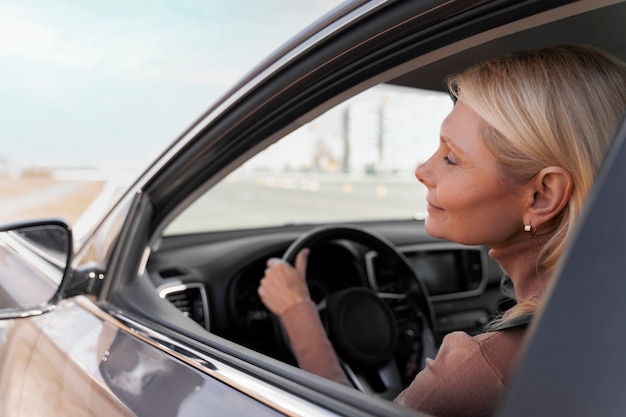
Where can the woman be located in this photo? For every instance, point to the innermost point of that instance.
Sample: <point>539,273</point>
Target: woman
<point>517,156</point>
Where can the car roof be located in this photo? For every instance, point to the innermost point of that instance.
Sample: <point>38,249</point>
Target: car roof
<point>603,29</point>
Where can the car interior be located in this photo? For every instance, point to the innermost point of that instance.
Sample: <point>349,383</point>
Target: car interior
<point>342,184</point>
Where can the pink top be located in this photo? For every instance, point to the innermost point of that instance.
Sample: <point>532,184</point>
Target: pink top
<point>468,375</point>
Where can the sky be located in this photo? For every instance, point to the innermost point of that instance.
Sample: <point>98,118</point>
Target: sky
<point>107,84</point>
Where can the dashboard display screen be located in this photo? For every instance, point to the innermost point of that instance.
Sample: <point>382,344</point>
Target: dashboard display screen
<point>439,271</point>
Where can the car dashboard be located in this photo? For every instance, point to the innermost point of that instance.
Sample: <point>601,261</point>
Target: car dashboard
<point>213,278</point>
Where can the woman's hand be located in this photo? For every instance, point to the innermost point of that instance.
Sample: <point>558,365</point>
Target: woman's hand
<point>284,286</point>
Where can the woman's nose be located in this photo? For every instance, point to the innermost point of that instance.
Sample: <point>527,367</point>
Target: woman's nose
<point>423,174</point>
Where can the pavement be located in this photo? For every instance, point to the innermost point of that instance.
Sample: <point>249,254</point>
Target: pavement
<point>29,198</point>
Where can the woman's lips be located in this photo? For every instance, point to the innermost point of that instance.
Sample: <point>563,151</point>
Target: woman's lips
<point>431,207</point>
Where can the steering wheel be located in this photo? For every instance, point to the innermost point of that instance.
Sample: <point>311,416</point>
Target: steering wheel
<point>382,338</point>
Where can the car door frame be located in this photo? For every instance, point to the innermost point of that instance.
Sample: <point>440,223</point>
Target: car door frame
<point>296,87</point>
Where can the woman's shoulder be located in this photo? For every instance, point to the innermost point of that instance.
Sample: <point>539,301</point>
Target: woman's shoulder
<point>469,373</point>
<point>507,336</point>
<point>497,349</point>
<point>501,341</point>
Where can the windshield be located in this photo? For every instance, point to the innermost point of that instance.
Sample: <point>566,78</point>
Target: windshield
<point>353,163</point>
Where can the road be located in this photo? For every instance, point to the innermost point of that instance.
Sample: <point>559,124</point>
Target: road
<point>265,200</point>
<point>278,200</point>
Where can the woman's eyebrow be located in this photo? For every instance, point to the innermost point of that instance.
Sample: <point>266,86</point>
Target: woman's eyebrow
<point>452,144</point>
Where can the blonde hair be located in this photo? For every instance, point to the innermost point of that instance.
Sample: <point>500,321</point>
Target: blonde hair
<point>558,106</point>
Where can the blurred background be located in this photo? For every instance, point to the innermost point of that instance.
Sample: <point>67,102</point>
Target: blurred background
<point>92,91</point>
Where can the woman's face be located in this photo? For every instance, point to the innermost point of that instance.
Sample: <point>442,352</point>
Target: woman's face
<point>469,201</point>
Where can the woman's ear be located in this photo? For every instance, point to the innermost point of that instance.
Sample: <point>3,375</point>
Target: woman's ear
<point>552,188</point>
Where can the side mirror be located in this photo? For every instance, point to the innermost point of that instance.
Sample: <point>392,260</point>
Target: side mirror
<point>35,258</point>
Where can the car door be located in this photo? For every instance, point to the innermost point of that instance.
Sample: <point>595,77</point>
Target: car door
<point>70,357</point>
<point>88,362</point>
<point>310,78</point>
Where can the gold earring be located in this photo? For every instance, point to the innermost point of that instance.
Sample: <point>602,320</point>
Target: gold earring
<point>528,228</point>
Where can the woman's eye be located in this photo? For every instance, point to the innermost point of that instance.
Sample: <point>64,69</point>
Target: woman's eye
<point>450,160</point>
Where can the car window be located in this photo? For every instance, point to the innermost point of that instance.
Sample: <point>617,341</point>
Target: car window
<point>354,162</point>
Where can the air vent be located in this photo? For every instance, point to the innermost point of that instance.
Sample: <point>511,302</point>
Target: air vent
<point>191,300</point>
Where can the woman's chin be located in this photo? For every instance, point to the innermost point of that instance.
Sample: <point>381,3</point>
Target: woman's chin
<point>433,229</point>
<point>441,231</point>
